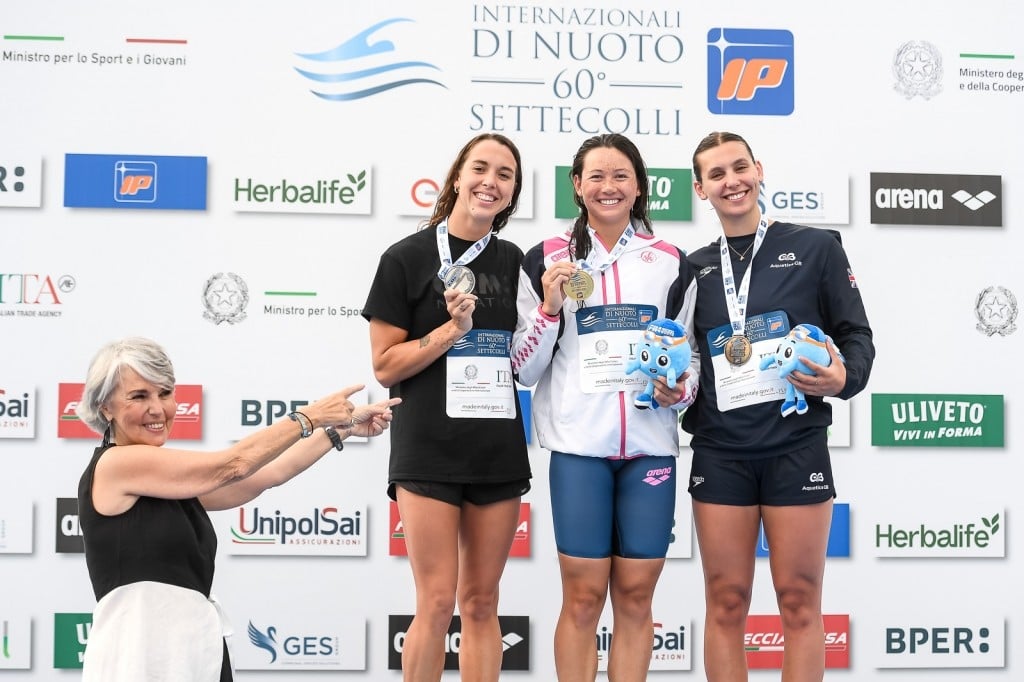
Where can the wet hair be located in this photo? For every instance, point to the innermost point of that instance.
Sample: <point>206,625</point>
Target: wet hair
<point>713,140</point>
<point>146,357</point>
<point>579,243</point>
<point>446,197</point>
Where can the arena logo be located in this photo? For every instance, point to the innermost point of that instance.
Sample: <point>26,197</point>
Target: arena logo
<point>138,182</point>
<point>932,642</point>
<point>17,413</point>
<point>936,199</point>
<point>355,70</point>
<point>750,72</point>
<point>515,642</point>
<point>21,183</point>
<point>68,531</point>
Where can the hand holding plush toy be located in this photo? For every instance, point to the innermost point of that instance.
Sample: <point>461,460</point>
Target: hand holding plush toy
<point>803,341</point>
<point>665,351</point>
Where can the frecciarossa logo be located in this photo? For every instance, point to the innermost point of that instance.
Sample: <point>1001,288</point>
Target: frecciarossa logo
<point>934,199</point>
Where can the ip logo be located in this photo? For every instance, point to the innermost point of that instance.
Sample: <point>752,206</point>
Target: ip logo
<point>750,72</point>
<point>135,181</point>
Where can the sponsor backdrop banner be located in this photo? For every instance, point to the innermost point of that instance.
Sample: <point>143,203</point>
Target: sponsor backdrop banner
<point>229,192</point>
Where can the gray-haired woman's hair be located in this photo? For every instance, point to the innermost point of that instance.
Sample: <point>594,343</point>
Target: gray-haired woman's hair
<point>146,357</point>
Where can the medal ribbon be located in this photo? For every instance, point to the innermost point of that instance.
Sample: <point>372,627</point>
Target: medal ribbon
<point>613,255</point>
<point>737,302</point>
<point>445,253</point>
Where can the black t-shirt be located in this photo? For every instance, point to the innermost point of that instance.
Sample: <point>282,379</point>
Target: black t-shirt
<point>427,444</point>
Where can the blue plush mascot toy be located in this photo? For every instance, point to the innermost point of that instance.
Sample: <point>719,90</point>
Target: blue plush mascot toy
<point>803,341</point>
<point>665,351</point>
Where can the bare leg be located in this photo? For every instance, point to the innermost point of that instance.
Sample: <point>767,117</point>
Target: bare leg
<point>798,537</point>
<point>632,590</point>
<point>584,589</point>
<point>485,539</point>
<point>727,536</point>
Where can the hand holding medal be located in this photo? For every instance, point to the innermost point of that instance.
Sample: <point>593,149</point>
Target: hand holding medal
<point>461,306</point>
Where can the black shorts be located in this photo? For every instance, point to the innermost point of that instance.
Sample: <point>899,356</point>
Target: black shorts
<point>800,477</point>
<point>457,493</point>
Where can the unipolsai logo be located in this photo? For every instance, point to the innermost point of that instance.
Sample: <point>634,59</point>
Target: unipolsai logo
<point>355,69</point>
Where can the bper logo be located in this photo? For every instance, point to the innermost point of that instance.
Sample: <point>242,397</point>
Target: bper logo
<point>750,72</point>
<point>942,643</point>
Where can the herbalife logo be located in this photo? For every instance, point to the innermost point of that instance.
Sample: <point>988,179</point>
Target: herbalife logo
<point>946,538</point>
<point>303,190</point>
<point>973,201</point>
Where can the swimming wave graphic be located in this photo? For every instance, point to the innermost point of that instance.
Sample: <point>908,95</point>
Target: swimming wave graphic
<point>347,61</point>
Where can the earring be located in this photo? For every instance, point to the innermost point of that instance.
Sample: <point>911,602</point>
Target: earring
<point>456,189</point>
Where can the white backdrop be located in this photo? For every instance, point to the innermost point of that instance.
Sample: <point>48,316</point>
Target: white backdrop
<point>222,81</point>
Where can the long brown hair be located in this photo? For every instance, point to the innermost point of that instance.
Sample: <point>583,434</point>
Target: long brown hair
<point>579,243</point>
<point>446,197</point>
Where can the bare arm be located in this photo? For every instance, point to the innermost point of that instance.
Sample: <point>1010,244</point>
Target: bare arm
<point>372,420</point>
<point>397,357</point>
<point>127,472</point>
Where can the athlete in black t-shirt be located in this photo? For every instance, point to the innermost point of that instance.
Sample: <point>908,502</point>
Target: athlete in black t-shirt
<point>442,309</point>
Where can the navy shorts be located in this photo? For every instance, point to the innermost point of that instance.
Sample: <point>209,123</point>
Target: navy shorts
<point>803,476</point>
<point>602,507</point>
<point>457,493</point>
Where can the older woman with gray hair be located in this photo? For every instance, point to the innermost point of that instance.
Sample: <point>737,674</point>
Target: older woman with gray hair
<point>149,543</point>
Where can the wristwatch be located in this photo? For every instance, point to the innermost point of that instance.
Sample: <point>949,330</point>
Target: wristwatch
<point>335,437</point>
<point>304,423</point>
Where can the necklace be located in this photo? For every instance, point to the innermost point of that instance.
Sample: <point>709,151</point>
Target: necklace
<point>745,251</point>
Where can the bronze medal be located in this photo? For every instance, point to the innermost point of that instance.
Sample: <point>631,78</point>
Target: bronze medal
<point>737,349</point>
<point>460,278</point>
<point>579,286</point>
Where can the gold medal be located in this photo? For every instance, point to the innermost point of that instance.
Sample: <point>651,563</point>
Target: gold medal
<point>460,278</point>
<point>737,349</point>
<point>579,286</point>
